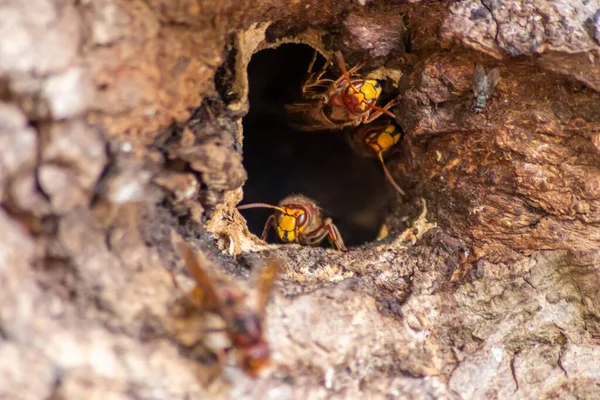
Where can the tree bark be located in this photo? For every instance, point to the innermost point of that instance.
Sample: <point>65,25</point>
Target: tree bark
<point>121,122</point>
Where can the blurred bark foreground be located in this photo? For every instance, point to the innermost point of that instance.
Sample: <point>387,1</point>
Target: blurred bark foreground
<point>121,121</point>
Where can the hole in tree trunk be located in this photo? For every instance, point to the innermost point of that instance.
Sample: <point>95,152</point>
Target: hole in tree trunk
<point>281,161</point>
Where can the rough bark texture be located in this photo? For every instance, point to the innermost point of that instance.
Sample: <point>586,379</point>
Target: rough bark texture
<point>121,121</point>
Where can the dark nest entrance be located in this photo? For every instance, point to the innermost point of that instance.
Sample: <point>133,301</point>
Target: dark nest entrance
<point>281,161</point>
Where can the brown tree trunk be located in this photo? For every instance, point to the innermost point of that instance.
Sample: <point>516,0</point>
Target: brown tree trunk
<point>123,121</point>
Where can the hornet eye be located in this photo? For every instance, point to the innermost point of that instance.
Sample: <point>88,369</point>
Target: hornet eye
<point>301,219</point>
<point>278,217</point>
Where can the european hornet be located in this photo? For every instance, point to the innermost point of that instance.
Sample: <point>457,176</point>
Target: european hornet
<point>243,324</point>
<point>329,104</point>
<point>483,86</point>
<point>377,140</point>
<point>298,219</point>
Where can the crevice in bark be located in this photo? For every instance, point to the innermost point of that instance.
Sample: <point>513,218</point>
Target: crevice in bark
<point>281,161</point>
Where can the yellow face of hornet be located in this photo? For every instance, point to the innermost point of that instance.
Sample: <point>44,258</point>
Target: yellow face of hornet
<point>290,223</point>
<point>364,94</point>
<point>381,141</point>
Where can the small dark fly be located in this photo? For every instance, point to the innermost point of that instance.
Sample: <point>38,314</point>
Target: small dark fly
<point>483,86</point>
